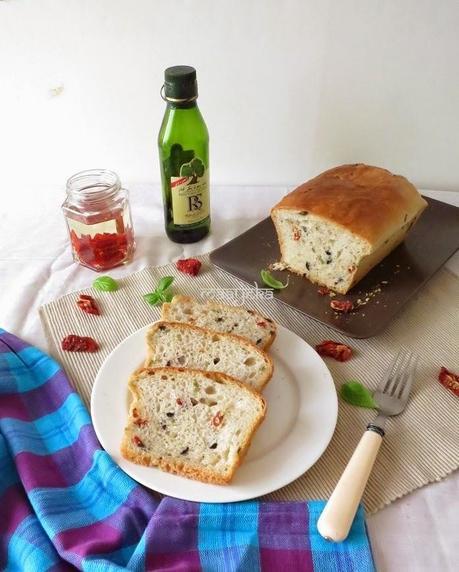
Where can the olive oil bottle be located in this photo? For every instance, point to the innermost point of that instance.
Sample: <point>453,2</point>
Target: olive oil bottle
<point>183,143</point>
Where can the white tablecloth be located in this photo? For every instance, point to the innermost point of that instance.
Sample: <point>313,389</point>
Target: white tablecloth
<point>416,533</point>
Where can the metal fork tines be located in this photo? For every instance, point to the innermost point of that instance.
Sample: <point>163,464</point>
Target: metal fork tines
<point>392,393</point>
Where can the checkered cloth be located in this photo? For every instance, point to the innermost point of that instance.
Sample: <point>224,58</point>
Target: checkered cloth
<point>65,505</point>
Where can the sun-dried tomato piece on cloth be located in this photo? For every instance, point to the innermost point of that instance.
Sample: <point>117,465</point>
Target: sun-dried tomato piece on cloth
<point>449,380</point>
<point>73,343</point>
<point>88,304</point>
<point>189,266</point>
<point>335,350</point>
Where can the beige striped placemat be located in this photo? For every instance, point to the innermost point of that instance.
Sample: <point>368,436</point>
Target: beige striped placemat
<point>420,446</point>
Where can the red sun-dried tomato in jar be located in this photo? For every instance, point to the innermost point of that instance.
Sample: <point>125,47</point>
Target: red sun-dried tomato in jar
<point>99,220</point>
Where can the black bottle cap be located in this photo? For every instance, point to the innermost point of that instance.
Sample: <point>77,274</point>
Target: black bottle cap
<point>180,83</point>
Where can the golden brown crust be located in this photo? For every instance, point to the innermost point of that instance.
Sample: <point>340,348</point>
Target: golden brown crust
<point>184,468</point>
<point>166,307</point>
<point>179,298</point>
<point>269,342</point>
<point>170,466</point>
<point>368,201</point>
<point>239,339</point>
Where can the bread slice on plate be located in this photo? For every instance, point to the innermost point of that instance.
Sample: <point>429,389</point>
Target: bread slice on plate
<point>223,318</point>
<point>192,423</point>
<point>181,345</point>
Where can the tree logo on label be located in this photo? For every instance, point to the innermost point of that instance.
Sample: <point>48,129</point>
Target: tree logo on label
<point>194,169</point>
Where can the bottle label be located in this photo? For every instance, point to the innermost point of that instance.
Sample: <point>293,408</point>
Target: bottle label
<point>190,194</point>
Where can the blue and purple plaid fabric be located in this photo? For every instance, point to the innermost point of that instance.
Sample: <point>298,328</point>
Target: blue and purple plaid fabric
<point>65,505</point>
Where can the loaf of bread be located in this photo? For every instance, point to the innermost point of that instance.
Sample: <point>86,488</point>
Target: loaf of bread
<point>175,344</point>
<point>211,315</point>
<point>336,227</point>
<point>192,423</point>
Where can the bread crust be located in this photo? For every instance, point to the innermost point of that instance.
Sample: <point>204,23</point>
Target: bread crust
<point>239,339</point>
<point>183,468</point>
<point>179,298</point>
<point>368,201</point>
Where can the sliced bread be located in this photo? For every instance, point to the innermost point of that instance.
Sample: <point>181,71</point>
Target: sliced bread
<point>181,345</point>
<point>223,318</point>
<point>336,227</point>
<point>192,423</point>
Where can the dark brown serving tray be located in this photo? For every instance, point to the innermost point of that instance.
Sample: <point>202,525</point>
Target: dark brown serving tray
<point>388,287</point>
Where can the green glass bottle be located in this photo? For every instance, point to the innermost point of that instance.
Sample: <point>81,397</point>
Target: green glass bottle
<point>183,143</point>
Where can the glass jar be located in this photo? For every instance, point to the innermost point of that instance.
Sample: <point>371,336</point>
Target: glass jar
<point>99,220</point>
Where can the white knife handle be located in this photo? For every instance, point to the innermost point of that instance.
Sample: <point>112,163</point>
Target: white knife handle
<point>336,519</point>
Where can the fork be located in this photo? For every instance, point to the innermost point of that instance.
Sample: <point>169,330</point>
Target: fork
<point>391,397</point>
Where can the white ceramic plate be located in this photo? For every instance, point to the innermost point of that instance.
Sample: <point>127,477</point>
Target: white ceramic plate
<point>300,420</point>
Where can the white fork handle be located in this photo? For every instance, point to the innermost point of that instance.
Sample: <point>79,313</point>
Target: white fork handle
<point>336,519</point>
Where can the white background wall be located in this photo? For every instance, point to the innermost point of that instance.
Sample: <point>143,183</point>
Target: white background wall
<point>288,87</point>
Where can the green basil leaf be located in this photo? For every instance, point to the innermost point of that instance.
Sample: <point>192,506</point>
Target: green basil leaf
<point>153,298</point>
<point>105,284</point>
<point>167,296</point>
<point>272,282</point>
<point>164,283</point>
<point>161,296</point>
<point>357,394</point>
